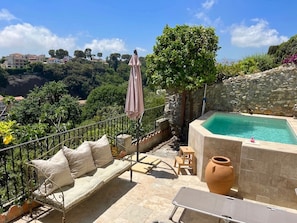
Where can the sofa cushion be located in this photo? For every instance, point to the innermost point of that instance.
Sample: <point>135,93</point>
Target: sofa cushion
<point>53,173</point>
<point>101,152</point>
<point>80,160</point>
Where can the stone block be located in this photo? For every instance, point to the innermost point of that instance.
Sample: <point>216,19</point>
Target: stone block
<point>162,124</point>
<point>124,142</point>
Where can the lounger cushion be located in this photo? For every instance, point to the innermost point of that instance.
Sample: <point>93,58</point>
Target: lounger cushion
<point>80,160</point>
<point>101,152</point>
<point>53,173</point>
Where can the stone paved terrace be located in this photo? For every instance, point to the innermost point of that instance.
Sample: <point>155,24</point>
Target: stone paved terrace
<point>148,199</point>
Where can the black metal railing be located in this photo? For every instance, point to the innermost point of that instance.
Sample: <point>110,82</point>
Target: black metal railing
<point>12,159</point>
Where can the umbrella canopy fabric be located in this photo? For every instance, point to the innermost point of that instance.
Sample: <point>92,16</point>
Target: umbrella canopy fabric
<point>134,106</point>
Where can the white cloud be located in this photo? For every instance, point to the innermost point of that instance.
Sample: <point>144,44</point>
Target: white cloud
<point>113,45</point>
<point>6,15</point>
<point>25,38</point>
<point>142,50</point>
<point>207,21</point>
<point>257,35</point>
<point>208,4</point>
<point>28,39</point>
<point>202,14</point>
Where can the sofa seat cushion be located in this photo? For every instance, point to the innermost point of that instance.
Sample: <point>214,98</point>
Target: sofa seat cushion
<point>87,184</point>
<point>112,170</point>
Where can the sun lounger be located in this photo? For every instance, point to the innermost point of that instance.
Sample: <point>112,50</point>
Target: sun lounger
<point>229,209</point>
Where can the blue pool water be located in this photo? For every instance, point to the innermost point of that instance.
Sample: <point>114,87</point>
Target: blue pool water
<point>266,129</point>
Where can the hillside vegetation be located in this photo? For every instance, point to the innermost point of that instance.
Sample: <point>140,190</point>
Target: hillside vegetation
<point>103,84</point>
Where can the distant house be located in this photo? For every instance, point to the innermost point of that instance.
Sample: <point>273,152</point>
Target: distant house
<point>34,58</point>
<point>17,60</point>
<point>54,60</point>
<point>66,59</point>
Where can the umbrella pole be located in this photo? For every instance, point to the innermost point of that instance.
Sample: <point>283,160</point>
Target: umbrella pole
<point>137,142</point>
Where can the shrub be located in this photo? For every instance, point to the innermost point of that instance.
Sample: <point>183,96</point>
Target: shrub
<point>290,59</point>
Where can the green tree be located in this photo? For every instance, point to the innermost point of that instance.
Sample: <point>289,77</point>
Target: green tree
<point>264,61</point>
<point>77,85</point>
<point>60,53</point>
<point>104,96</point>
<point>88,53</point>
<point>126,57</point>
<point>52,53</point>
<point>54,72</point>
<point>37,67</point>
<point>99,55</point>
<point>114,60</point>
<point>3,78</point>
<point>2,60</point>
<point>183,60</point>
<point>79,54</point>
<point>50,105</point>
<point>249,65</point>
<point>284,50</point>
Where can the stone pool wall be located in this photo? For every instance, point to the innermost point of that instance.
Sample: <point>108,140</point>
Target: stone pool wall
<point>268,174</point>
<point>265,171</point>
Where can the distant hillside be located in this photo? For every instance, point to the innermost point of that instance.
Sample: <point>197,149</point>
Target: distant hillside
<point>20,85</point>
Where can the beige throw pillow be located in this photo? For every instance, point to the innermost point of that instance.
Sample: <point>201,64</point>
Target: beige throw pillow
<point>55,170</point>
<point>101,152</point>
<point>80,160</point>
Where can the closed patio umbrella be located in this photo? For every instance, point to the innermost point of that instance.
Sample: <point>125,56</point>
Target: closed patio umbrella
<point>134,106</point>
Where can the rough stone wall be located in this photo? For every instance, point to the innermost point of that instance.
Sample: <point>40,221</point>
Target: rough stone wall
<point>272,92</point>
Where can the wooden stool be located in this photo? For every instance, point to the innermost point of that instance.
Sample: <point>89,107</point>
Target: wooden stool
<point>186,158</point>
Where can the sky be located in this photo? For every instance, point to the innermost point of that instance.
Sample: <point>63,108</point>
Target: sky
<point>244,27</point>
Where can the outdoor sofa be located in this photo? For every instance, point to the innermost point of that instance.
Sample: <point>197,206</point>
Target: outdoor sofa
<point>70,176</point>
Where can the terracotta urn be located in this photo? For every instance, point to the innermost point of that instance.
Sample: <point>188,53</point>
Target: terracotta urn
<point>219,175</point>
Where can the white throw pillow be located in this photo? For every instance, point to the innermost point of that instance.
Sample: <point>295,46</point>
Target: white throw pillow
<point>55,170</point>
<point>101,152</point>
<point>80,160</point>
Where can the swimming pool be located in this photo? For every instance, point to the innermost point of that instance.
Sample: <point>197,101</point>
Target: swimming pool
<point>265,171</point>
<point>248,126</point>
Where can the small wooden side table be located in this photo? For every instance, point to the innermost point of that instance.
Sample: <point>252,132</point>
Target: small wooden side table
<point>186,158</point>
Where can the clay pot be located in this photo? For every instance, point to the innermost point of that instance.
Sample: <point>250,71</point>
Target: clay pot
<point>219,175</point>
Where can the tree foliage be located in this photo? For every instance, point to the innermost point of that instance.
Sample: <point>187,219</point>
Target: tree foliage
<point>248,65</point>
<point>183,58</point>
<point>60,53</point>
<point>3,78</point>
<point>79,54</point>
<point>114,60</point>
<point>51,105</point>
<point>105,96</point>
<point>284,50</point>
<point>88,53</point>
